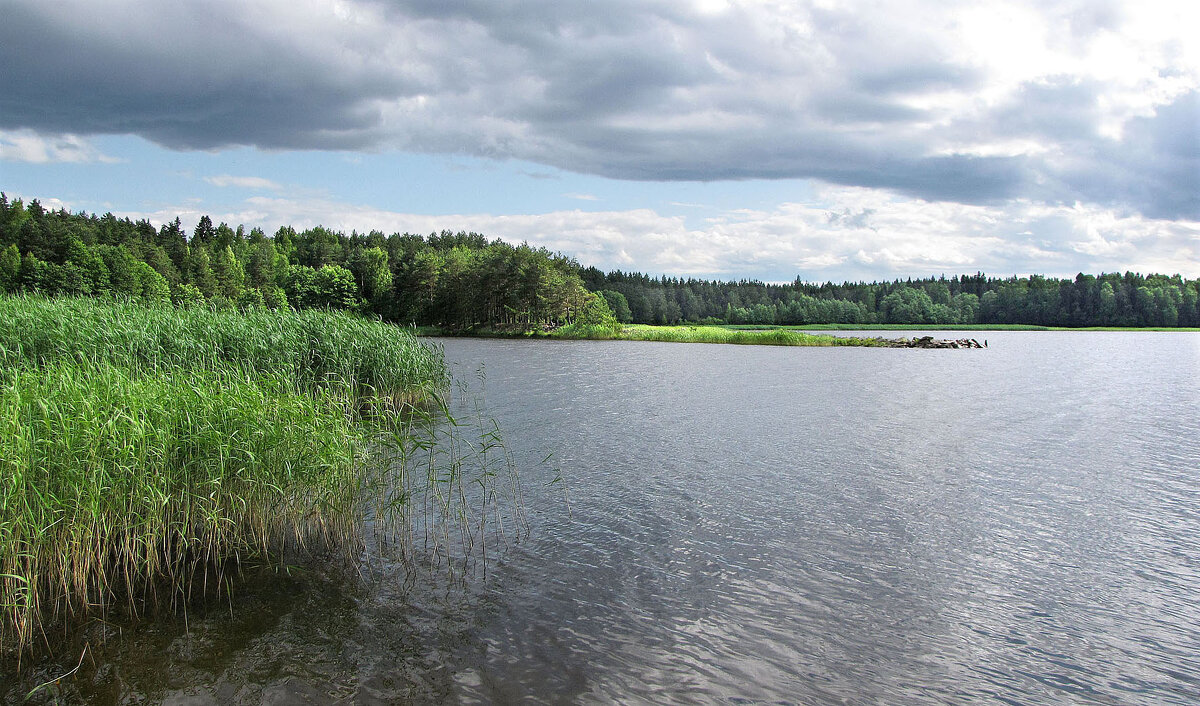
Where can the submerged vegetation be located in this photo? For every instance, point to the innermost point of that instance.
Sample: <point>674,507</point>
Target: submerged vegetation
<point>141,449</point>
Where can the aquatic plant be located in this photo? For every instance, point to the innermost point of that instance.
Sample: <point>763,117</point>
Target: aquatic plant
<point>112,480</point>
<point>143,448</point>
<point>309,348</point>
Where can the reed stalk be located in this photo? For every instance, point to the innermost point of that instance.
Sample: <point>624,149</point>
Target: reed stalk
<point>141,448</point>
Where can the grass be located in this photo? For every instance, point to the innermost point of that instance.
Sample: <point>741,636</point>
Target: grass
<point>943,327</point>
<point>112,479</point>
<point>141,448</point>
<point>719,334</point>
<point>310,348</point>
<point>681,334</point>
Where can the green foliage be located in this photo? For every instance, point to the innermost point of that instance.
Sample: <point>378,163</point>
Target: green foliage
<point>187,296</point>
<point>594,320</point>
<point>310,348</point>
<point>10,268</point>
<point>114,478</point>
<point>335,288</point>
<point>263,265</point>
<point>1105,300</point>
<point>31,273</point>
<point>94,271</point>
<point>461,281</point>
<point>250,299</point>
<point>331,287</point>
<point>618,304</point>
<point>140,444</point>
<point>317,247</point>
<point>153,286</point>
<point>716,334</point>
<point>274,298</point>
<point>197,270</point>
<point>228,275</point>
<point>123,273</point>
<point>371,272</point>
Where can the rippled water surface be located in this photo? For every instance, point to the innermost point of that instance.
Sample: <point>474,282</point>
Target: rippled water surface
<point>771,525</point>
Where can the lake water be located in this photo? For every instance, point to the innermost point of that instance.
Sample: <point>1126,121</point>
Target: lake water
<point>745,524</point>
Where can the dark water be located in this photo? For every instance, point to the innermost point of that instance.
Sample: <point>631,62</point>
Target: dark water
<point>769,525</point>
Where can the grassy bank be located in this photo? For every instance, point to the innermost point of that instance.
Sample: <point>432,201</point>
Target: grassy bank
<point>138,446</point>
<point>943,327</point>
<point>719,334</point>
<point>679,334</point>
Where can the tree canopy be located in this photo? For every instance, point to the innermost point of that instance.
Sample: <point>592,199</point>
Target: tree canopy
<point>454,280</point>
<point>461,280</point>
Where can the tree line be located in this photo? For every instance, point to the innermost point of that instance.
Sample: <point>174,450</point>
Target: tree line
<point>453,280</point>
<point>460,281</point>
<point>1128,299</point>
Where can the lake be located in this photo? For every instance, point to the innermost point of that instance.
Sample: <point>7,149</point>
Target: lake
<point>746,524</point>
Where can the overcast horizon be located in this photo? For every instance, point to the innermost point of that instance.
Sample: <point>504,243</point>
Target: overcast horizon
<point>727,140</point>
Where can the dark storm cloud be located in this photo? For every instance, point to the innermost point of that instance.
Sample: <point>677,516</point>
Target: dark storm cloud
<point>198,80</point>
<point>1052,111</point>
<point>631,90</point>
<point>1156,164</point>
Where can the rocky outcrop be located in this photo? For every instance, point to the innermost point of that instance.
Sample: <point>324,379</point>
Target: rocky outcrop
<point>931,342</point>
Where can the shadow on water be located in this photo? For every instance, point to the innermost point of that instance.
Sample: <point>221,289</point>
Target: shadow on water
<point>316,634</point>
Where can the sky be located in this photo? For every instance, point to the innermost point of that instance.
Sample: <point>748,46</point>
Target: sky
<point>824,139</point>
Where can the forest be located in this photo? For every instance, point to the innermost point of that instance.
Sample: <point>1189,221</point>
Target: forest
<point>455,281</point>
<point>462,281</point>
<point>1128,299</point>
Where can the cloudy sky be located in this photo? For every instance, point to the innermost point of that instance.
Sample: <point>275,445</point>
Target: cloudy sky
<point>825,139</point>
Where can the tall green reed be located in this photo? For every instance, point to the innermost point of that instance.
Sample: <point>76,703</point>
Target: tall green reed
<point>111,481</point>
<point>311,348</point>
<point>141,448</point>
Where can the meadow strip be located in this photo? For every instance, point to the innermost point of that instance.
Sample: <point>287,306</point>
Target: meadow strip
<point>718,334</point>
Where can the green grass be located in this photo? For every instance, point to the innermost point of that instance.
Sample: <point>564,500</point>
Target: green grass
<point>680,334</point>
<point>109,479</point>
<point>310,348</point>
<point>141,446</point>
<point>941,327</point>
<point>719,334</point>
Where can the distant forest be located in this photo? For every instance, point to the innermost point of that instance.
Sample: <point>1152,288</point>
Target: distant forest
<point>461,281</point>
<point>1128,299</point>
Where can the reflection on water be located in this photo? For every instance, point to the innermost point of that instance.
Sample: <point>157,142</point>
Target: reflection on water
<point>768,525</point>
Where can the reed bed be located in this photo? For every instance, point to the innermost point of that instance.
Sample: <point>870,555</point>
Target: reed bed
<point>718,334</point>
<point>111,480</point>
<point>141,448</point>
<point>310,348</point>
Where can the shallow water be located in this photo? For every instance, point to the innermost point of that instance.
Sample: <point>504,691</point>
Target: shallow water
<point>750,524</point>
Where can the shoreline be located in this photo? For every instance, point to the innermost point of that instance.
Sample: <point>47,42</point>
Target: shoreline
<point>707,334</point>
<point>629,331</point>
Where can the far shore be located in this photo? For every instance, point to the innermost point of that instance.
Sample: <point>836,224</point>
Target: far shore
<point>686,333</point>
<point>949,327</point>
<point>759,333</point>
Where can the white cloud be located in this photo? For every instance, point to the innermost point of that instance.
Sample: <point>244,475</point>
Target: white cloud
<point>244,182</point>
<point>29,146</point>
<point>845,233</point>
<point>968,102</point>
